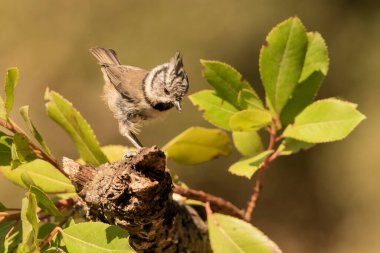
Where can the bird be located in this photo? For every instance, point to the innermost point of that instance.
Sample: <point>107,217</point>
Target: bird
<point>136,96</point>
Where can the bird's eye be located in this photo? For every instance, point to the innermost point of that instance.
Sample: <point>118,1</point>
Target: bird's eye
<point>166,91</point>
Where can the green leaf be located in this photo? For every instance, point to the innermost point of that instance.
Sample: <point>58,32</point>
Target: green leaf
<point>247,167</point>
<point>13,240</point>
<point>229,234</point>
<point>21,150</point>
<point>29,220</point>
<point>45,229</point>
<point>62,111</point>
<point>250,120</point>
<point>313,73</point>
<point>115,152</point>
<point>43,174</point>
<point>247,143</point>
<point>26,179</point>
<point>6,242</point>
<point>317,58</point>
<point>197,145</point>
<point>282,60</point>
<point>248,99</point>
<point>44,201</point>
<point>3,112</point>
<point>2,207</point>
<point>229,83</point>
<point>96,237</point>
<point>291,146</point>
<point>10,84</point>
<point>24,111</point>
<point>31,215</point>
<point>216,110</point>
<point>325,121</point>
<point>5,149</point>
<point>5,226</point>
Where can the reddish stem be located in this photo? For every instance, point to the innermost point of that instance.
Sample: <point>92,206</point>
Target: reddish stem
<point>217,203</point>
<point>260,179</point>
<point>57,229</point>
<point>48,239</point>
<point>37,150</point>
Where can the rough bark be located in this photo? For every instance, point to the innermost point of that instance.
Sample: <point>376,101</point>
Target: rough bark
<point>136,194</point>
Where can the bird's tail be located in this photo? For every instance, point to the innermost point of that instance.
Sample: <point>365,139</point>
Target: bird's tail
<point>105,56</point>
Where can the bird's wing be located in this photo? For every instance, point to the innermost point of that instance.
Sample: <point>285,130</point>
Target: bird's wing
<point>127,80</point>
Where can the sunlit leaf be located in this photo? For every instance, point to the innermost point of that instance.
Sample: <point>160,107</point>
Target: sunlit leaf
<point>249,99</point>
<point>229,234</point>
<point>26,179</point>
<point>21,150</point>
<point>250,120</point>
<point>3,112</point>
<point>5,149</point>
<point>313,73</point>
<point>291,146</point>
<point>31,215</point>
<point>62,112</point>
<point>324,121</point>
<point>216,110</point>
<point>115,152</point>
<point>247,143</point>
<point>229,83</point>
<point>29,220</point>
<point>10,85</point>
<point>44,201</point>
<point>43,174</point>
<point>24,111</point>
<point>197,145</point>
<point>316,58</point>
<point>282,60</point>
<point>96,237</point>
<point>248,166</point>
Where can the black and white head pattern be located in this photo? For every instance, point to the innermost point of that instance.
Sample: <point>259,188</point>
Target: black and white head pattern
<point>166,85</point>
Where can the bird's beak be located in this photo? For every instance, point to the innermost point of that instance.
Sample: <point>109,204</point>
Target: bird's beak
<point>177,105</point>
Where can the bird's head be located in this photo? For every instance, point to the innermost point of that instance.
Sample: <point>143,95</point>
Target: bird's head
<point>167,84</point>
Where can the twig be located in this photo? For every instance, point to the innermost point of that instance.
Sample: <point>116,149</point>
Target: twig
<point>6,216</point>
<point>13,209</point>
<point>260,179</point>
<point>48,239</point>
<point>217,203</point>
<point>60,204</point>
<point>37,150</point>
<point>65,203</point>
<point>11,229</point>
<point>53,232</point>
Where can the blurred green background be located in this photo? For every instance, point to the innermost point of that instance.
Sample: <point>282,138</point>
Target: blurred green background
<point>326,199</point>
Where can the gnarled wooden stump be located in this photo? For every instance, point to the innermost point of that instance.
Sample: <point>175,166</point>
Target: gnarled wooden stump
<point>136,194</point>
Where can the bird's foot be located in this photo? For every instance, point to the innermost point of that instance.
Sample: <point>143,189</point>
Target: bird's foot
<point>129,154</point>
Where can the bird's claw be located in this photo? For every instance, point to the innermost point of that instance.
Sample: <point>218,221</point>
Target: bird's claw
<point>129,154</point>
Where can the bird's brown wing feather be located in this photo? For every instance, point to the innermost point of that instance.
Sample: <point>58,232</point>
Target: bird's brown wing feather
<point>127,80</point>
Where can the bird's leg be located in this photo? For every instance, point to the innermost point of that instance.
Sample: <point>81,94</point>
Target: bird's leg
<point>124,130</point>
<point>135,141</point>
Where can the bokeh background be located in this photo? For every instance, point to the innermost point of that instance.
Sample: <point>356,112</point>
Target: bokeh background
<point>326,199</point>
